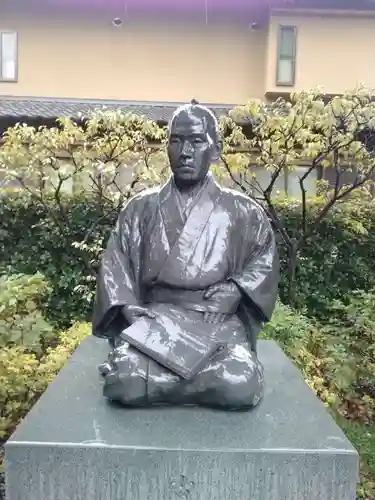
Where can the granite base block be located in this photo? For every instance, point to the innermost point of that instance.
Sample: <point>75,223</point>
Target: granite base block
<point>73,445</point>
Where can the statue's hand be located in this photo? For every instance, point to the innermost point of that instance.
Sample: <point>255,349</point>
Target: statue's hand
<point>132,313</point>
<point>228,289</point>
<point>223,298</point>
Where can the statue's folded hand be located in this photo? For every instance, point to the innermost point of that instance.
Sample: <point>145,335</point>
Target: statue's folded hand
<point>228,289</point>
<point>132,313</point>
<point>224,296</point>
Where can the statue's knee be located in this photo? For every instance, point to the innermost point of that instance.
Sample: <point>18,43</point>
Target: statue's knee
<point>128,390</point>
<point>242,383</point>
<point>241,394</point>
<point>125,376</point>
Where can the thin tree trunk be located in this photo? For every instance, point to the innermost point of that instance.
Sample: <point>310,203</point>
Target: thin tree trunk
<point>292,270</point>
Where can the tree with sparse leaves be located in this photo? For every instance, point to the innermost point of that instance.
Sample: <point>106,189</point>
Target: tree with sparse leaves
<point>88,156</point>
<point>306,130</point>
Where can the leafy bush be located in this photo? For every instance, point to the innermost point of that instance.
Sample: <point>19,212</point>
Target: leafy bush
<point>337,361</point>
<point>21,321</point>
<point>24,376</point>
<point>32,242</point>
<point>350,347</point>
<point>303,340</point>
<point>31,351</point>
<point>339,259</point>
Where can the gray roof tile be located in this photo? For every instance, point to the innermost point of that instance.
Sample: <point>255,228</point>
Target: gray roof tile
<point>61,108</point>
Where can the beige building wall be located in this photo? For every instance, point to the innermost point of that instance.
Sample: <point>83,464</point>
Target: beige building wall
<point>152,60</point>
<point>335,51</point>
<point>146,61</point>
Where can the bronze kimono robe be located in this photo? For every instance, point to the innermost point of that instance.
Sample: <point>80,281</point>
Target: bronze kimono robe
<point>165,259</point>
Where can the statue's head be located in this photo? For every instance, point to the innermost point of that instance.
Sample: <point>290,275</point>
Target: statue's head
<point>193,143</point>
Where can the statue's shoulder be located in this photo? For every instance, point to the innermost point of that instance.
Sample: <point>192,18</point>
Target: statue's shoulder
<point>140,200</point>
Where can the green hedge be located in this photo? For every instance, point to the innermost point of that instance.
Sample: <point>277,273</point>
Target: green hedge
<point>32,242</point>
<point>338,260</point>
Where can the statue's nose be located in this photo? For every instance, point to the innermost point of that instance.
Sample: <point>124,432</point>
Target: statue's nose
<point>186,149</point>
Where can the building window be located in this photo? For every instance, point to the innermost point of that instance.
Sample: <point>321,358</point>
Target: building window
<point>8,56</point>
<point>286,57</point>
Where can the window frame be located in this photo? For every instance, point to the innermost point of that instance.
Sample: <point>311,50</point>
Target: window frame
<point>289,58</point>
<point>3,79</point>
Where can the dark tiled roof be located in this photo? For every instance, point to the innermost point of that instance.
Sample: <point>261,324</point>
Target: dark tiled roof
<point>61,108</point>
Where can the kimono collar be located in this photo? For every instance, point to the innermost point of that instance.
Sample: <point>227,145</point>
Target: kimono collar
<point>210,188</point>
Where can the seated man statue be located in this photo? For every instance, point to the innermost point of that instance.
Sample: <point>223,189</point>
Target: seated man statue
<point>189,277</point>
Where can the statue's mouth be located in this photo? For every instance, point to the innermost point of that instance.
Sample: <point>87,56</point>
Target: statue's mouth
<point>186,166</point>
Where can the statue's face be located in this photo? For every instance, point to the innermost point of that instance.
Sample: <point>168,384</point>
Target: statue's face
<point>193,145</point>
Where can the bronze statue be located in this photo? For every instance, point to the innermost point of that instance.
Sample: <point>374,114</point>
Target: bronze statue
<point>188,279</point>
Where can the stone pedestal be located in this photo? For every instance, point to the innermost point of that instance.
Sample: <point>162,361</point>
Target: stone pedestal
<point>73,445</point>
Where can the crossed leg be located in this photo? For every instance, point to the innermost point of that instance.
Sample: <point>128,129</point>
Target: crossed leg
<point>232,380</point>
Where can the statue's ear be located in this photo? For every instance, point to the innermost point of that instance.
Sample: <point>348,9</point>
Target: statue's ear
<point>217,149</point>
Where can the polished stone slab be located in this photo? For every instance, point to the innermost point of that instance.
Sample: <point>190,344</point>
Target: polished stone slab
<point>73,445</point>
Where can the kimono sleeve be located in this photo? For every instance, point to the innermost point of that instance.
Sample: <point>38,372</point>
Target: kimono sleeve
<point>259,279</point>
<point>116,284</point>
